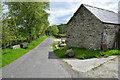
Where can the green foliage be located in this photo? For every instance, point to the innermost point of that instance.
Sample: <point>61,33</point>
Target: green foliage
<point>16,42</point>
<point>24,20</point>
<point>55,36</point>
<point>59,52</point>
<point>82,53</point>
<point>60,36</point>
<point>9,55</point>
<point>111,52</point>
<point>52,30</point>
<point>1,9</point>
<point>62,28</point>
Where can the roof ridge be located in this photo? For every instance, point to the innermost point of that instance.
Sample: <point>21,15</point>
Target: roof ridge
<point>103,15</point>
<point>99,8</point>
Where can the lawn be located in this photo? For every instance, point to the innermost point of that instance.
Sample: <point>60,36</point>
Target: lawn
<point>9,55</point>
<point>82,53</point>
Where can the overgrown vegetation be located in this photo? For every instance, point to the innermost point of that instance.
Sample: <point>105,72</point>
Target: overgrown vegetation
<point>62,28</point>
<point>52,30</point>
<point>57,31</point>
<point>60,36</point>
<point>23,20</point>
<point>82,53</point>
<point>9,55</point>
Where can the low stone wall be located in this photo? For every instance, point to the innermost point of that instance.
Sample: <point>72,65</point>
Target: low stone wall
<point>15,47</point>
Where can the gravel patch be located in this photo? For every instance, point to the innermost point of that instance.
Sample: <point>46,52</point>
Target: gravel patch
<point>107,70</point>
<point>96,67</point>
<point>87,64</point>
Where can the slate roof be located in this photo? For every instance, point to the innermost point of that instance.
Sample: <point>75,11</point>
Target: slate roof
<point>105,16</point>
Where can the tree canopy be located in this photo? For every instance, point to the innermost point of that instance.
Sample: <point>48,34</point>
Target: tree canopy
<point>28,19</point>
<point>62,28</point>
<point>52,30</point>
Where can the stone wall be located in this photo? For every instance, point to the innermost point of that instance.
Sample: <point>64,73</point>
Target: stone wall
<point>110,35</point>
<point>86,31</point>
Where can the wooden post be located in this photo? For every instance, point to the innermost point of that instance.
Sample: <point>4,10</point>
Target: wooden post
<point>104,47</point>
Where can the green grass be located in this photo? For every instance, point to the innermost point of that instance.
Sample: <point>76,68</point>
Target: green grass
<point>82,53</point>
<point>9,55</point>
<point>55,36</point>
<point>62,34</point>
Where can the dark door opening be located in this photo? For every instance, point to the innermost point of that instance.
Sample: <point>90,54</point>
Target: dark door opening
<point>119,39</point>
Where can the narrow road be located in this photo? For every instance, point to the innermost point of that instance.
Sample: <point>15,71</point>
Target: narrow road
<point>36,64</point>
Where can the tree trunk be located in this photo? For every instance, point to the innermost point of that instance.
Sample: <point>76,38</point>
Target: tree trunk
<point>4,46</point>
<point>10,44</point>
<point>37,37</point>
<point>30,40</point>
<point>30,36</point>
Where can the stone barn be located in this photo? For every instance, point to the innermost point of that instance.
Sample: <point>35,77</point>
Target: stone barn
<point>91,27</point>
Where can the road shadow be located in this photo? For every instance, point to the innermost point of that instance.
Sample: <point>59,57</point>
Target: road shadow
<point>52,55</point>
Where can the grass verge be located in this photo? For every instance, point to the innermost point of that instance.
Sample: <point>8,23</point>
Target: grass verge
<point>60,36</point>
<point>9,55</point>
<point>82,53</point>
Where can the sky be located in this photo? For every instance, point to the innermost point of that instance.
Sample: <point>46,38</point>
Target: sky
<point>62,10</point>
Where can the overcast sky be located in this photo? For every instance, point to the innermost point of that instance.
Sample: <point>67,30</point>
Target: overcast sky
<point>62,10</point>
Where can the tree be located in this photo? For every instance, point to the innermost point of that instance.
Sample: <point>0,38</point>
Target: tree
<point>1,9</point>
<point>31,17</point>
<point>53,29</point>
<point>9,29</point>
<point>62,28</point>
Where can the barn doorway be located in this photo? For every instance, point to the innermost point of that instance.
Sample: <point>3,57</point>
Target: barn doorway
<point>119,39</point>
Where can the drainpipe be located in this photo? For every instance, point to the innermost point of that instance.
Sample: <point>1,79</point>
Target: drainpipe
<point>102,40</point>
<point>103,45</point>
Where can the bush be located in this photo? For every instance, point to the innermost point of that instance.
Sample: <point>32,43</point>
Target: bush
<point>52,30</point>
<point>111,52</point>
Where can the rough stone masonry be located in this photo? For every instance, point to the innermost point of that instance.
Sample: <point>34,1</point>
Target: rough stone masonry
<point>90,27</point>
